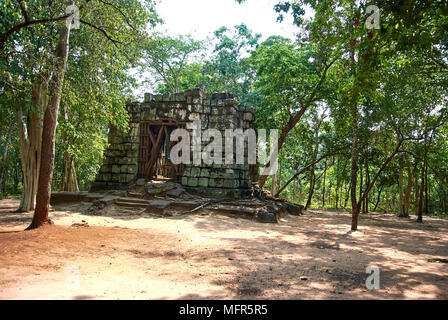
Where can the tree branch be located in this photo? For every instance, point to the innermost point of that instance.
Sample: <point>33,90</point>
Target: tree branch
<point>4,37</point>
<point>22,8</point>
<point>306,168</point>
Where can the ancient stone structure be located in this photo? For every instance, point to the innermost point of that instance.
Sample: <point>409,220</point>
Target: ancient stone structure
<point>143,152</point>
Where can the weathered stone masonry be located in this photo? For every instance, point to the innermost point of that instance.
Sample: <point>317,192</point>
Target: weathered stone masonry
<point>126,151</point>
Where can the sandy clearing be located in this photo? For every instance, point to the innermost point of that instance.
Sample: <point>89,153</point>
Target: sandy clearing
<point>205,256</point>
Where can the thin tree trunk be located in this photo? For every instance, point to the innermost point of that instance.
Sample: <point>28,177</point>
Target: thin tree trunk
<point>274,184</point>
<point>366,200</point>
<point>313,168</point>
<point>426,189</point>
<point>347,194</point>
<point>378,199</point>
<point>49,129</point>
<point>387,201</point>
<point>423,183</point>
<point>5,154</point>
<point>420,198</point>
<point>279,178</point>
<point>16,177</point>
<point>400,189</point>
<point>339,182</point>
<point>354,176</point>
<point>69,179</point>
<point>323,184</point>
<point>311,191</point>
<point>360,186</point>
<point>407,197</point>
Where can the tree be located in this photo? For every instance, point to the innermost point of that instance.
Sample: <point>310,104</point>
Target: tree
<point>112,22</point>
<point>228,69</point>
<point>356,77</point>
<point>290,80</point>
<point>40,216</point>
<point>168,57</point>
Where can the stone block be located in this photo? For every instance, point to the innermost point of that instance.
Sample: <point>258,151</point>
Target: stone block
<point>205,173</point>
<point>187,172</point>
<point>195,172</point>
<point>132,169</point>
<point>206,109</point>
<point>180,97</point>
<point>125,178</point>
<point>105,168</point>
<point>116,169</point>
<point>216,183</point>
<point>193,182</point>
<point>231,183</point>
<point>203,182</point>
<point>148,115</point>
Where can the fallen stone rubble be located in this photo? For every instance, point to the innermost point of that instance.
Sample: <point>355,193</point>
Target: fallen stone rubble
<point>167,199</point>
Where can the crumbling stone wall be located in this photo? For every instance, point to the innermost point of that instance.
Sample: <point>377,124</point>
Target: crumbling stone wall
<point>220,111</point>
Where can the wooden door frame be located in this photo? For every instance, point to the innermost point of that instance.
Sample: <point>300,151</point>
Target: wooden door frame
<point>150,145</point>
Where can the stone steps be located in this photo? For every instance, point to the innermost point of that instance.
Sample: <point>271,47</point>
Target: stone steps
<point>132,203</point>
<point>133,200</point>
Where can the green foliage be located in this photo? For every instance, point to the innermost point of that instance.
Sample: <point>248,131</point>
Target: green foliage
<point>171,61</point>
<point>228,69</point>
<point>97,81</point>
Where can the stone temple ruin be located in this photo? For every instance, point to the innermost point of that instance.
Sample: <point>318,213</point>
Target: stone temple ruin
<point>144,151</point>
<point>138,177</point>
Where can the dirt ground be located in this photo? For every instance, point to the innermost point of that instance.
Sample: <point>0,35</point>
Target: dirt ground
<point>204,256</point>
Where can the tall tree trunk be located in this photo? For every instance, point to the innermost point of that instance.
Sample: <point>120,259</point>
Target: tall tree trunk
<point>407,196</point>
<point>69,179</point>
<point>400,189</point>
<point>313,168</point>
<point>366,200</point>
<point>378,199</point>
<point>5,154</point>
<point>347,194</point>
<point>274,184</point>
<point>16,177</point>
<point>340,185</point>
<point>423,183</point>
<point>279,178</point>
<point>387,201</point>
<point>419,210</point>
<point>323,184</point>
<point>49,129</point>
<point>30,133</point>
<point>360,186</point>
<point>311,191</point>
<point>426,188</point>
<point>354,176</point>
